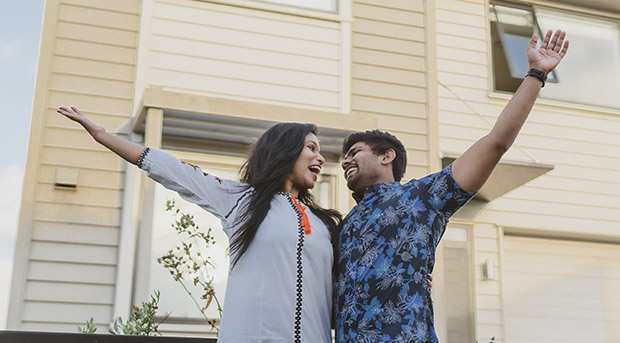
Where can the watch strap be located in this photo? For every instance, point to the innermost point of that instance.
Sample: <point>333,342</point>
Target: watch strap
<point>537,74</point>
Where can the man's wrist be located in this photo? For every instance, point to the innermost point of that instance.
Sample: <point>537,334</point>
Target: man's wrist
<point>537,73</point>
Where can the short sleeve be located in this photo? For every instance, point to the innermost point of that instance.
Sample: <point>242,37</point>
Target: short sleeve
<point>217,196</point>
<point>444,194</point>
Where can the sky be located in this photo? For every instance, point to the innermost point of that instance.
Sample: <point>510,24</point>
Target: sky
<point>20,31</point>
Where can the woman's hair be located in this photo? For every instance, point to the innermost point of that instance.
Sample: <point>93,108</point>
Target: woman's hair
<point>270,161</point>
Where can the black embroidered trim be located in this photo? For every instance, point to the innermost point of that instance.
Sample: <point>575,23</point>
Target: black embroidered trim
<point>237,203</point>
<point>142,156</point>
<point>299,296</point>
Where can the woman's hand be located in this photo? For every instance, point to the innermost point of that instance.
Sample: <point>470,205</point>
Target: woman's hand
<point>130,151</point>
<point>74,114</point>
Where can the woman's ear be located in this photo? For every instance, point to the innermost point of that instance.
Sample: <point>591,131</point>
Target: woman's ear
<point>388,156</point>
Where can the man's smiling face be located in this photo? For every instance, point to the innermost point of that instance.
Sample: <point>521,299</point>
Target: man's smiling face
<point>361,167</point>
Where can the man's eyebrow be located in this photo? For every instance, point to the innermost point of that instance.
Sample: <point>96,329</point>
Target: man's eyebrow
<point>350,150</point>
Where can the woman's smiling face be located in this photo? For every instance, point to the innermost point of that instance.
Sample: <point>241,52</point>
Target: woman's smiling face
<point>307,168</point>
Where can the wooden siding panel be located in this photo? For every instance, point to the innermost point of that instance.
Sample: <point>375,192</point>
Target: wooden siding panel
<point>94,34</point>
<point>78,214</point>
<point>75,253</point>
<point>384,58</point>
<point>123,6</point>
<point>72,272</point>
<point>69,292</point>
<point>245,39</point>
<point>71,313</point>
<point>243,55</point>
<point>400,46</point>
<point>237,21</point>
<point>95,17</point>
<point>406,32</point>
<point>389,75</point>
<point>89,68</point>
<point>250,73</point>
<point>74,233</point>
<point>388,91</point>
<point>111,88</point>
<point>403,5</point>
<point>388,15</point>
<point>94,51</point>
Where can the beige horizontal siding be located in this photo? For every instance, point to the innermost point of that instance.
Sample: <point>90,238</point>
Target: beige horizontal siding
<point>582,193</point>
<point>241,53</point>
<point>572,285</point>
<point>73,252</point>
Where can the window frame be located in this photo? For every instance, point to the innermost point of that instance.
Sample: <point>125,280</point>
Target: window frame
<point>531,5</point>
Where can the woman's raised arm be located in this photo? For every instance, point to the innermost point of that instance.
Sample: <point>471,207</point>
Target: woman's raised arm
<point>130,151</point>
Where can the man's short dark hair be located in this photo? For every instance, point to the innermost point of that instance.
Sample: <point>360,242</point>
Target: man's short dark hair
<point>380,142</point>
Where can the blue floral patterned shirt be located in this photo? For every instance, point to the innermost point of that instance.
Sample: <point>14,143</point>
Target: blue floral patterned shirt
<point>387,248</point>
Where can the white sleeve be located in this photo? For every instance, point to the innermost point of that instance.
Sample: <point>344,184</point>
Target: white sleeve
<point>218,196</point>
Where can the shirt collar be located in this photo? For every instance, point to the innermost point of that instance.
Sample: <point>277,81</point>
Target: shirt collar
<point>377,188</point>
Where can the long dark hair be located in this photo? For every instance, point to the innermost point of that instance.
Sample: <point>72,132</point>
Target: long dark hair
<point>270,161</point>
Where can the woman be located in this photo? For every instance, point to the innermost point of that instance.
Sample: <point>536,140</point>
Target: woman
<point>280,283</point>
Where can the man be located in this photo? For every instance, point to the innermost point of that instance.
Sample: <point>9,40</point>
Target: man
<point>388,241</point>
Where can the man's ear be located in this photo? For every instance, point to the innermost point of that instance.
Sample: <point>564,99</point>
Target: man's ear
<point>388,157</point>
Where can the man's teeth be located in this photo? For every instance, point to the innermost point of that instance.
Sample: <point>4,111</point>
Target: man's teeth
<point>349,172</point>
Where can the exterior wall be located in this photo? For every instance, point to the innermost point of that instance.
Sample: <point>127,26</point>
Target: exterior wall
<point>388,73</point>
<point>67,242</point>
<point>253,54</point>
<point>582,194</point>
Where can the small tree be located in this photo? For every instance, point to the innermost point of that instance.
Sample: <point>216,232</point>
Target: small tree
<point>187,262</point>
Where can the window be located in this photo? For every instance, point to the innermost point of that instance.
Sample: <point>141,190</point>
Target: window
<point>590,73</point>
<point>174,299</point>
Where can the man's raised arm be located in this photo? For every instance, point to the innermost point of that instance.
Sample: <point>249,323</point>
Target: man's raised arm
<point>473,168</point>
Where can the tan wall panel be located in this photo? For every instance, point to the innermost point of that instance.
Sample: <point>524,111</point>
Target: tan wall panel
<point>259,22</point>
<point>405,32</point>
<point>246,39</point>
<point>76,253</point>
<point>125,6</point>
<point>94,51</point>
<point>562,223</point>
<point>382,58</point>
<point>101,159</point>
<point>72,233</point>
<point>461,30</point>
<point>87,177</point>
<point>77,214</point>
<point>386,106</point>
<point>405,5</point>
<point>96,17</point>
<point>245,72</point>
<point>362,40</point>
<point>244,55</point>
<point>87,196</point>
<point>401,124</point>
<point>93,68</point>
<point>94,34</point>
<point>72,272</point>
<point>462,68</point>
<point>90,85</point>
<point>464,55</point>
<point>111,121</point>
<point>388,91</point>
<point>89,101</point>
<point>71,313</point>
<point>395,16</point>
<point>444,40</point>
<point>214,85</point>
<point>468,7</point>
<point>387,74</point>
<point>461,18</point>
<point>463,80</point>
<point>69,292</point>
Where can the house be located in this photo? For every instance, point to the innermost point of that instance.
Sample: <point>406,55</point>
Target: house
<point>534,257</point>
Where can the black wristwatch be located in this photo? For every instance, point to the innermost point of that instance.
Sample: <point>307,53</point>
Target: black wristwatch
<point>537,74</point>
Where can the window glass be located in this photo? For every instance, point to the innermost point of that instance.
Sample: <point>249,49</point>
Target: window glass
<point>174,299</point>
<point>590,73</point>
